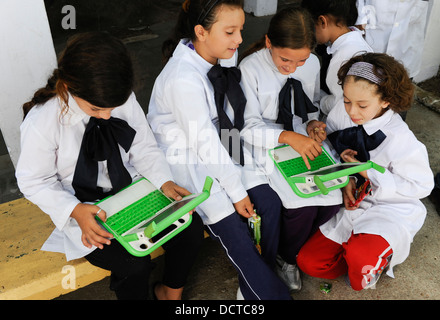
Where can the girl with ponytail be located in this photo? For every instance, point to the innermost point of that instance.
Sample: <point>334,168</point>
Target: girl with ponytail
<point>281,82</point>
<point>85,137</point>
<point>196,112</point>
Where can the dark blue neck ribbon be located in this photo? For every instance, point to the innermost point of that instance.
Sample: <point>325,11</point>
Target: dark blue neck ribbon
<point>226,82</point>
<point>100,142</point>
<point>302,104</point>
<point>356,138</point>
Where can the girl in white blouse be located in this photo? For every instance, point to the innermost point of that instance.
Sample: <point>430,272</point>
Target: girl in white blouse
<point>364,239</point>
<point>283,57</point>
<point>196,111</point>
<point>84,137</point>
<point>333,21</point>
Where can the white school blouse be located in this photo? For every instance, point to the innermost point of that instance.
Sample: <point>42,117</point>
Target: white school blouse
<point>396,27</point>
<point>394,210</point>
<point>50,145</point>
<point>342,49</point>
<point>262,83</point>
<point>184,119</point>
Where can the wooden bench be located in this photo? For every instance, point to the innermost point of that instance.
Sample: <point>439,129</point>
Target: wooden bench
<point>26,272</point>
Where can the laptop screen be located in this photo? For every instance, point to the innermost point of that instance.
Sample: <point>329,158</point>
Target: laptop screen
<point>333,169</point>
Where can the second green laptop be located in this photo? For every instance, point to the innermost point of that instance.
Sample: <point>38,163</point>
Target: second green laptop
<point>325,174</point>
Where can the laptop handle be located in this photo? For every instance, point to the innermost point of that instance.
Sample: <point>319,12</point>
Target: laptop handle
<point>154,228</point>
<point>319,180</point>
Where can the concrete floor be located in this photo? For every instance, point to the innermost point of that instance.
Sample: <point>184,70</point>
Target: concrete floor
<point>213,278</point>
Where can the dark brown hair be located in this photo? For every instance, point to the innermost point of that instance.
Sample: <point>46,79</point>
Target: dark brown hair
<point>344,12</point>
<point>291,28</point>
<point>194,12</point>
<point>95,67</point>
<point>396,86</point>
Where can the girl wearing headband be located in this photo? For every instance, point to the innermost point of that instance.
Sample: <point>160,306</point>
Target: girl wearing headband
<point>84,137</point>
<point>366,238</point>
<point>196,112</point>
<point>281,79</point>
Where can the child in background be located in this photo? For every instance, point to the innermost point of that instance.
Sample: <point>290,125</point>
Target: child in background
<point>333,21</point>
<point>397,28</point>
<point>363,240</point>
<point>84,137</point>
<point>196,105</point>
<point>281,62</point>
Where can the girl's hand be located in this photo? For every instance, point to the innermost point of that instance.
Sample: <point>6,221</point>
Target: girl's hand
<point>347,195</point>
<point>244,207</point>
<point>305,146</point>
<point>173,191</point>
<point>349,155</point>
<point>316,130</point>
<point>92,233</point>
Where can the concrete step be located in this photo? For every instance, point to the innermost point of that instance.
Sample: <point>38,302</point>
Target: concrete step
<point>26,272</point>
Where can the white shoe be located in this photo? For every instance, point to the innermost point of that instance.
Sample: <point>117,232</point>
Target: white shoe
<point>239,294</point>
<point>372,282</point>
<point>370,285</point>
<point>289,274</point>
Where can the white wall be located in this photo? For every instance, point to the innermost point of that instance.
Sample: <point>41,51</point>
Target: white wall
<point>261,7</point>
<point>27,58</point>
<point>431,51</point>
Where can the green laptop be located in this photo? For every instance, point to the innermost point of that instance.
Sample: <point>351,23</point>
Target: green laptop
<point>142,218</point>
<point>325,174</point>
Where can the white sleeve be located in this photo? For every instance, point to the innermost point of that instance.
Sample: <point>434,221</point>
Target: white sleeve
<point>329,101</point>
<point>145,156</point>
<point>187,98</point>
<point>362,16</point>
<point>255,131</point>
<point>408,175</point>
<point>37,178</point>
<point>316,98</point>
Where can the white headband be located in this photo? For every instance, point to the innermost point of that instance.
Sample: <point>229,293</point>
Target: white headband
<point>364,70</point>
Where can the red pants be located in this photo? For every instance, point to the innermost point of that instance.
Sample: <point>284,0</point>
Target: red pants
<point>362,256</point>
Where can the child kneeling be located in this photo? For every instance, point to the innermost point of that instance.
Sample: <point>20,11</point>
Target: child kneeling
<point>364,239</point>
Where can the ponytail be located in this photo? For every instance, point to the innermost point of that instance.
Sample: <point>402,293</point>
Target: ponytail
<point>180,31</point>
<point>54,87</point>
